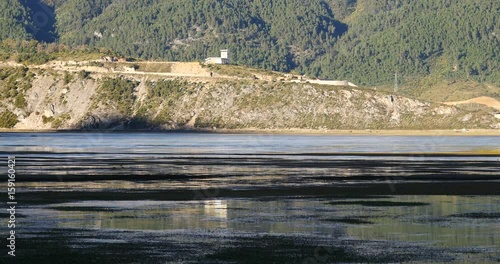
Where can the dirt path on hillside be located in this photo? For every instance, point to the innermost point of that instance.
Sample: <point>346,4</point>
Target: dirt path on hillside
<point>484,100</point>
<point>192,71</point>
<point>189,70</point>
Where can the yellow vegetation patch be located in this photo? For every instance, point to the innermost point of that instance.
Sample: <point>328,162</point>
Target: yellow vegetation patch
<point>484,100</point>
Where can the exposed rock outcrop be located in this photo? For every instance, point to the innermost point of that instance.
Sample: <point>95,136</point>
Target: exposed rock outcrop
<point>53,102</point>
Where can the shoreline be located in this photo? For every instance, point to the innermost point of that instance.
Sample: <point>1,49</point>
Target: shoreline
<point>366,132</point>
<point>369,132</point>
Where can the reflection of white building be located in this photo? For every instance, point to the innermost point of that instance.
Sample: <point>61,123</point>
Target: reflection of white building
<point>216,208</point>
<point>223,59</point>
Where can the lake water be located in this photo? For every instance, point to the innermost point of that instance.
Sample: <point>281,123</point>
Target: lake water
<point>172,143</point>
<point>229,198</point>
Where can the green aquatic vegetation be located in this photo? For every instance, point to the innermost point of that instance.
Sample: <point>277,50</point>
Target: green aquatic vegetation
<point>85,209</point>
<point>377,203</point>
<point>270,249</point>
<point>66,246</point>
<point>479,215</point>
<point>349,220</point>
<point>361,196</point>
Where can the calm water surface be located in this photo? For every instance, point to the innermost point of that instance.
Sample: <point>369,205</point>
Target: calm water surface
<point>466,227</point>
<point>442,221</point>
<point>147,143</point>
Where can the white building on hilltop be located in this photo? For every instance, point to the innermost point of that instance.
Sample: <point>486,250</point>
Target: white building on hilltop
<point>223,59</point>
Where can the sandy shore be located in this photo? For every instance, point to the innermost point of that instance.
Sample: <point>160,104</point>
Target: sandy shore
<point>454,132</point>
<point>467,132</point>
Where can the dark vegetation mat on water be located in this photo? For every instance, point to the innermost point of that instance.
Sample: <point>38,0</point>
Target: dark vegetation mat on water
<point>377,203</point>
<point>97,246</point>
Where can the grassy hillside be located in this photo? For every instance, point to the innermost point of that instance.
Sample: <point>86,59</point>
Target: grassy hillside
<point>364,41</point>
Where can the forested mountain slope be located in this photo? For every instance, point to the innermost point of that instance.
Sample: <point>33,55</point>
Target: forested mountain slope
<point>452,39</point>
<point>14,20</point>
<point>365,41</point>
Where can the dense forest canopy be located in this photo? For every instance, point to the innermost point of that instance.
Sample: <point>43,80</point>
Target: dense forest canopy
<point>365,41</point>
<point>14,20</point>
<point>454,39</point>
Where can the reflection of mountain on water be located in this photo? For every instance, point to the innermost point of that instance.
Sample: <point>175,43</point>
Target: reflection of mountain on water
<point>436,222</point>
<point>146,215</point>
<point>441,219</point>
<point>278,217</point>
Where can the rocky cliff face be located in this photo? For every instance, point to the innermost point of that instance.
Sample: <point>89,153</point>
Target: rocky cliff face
<point>64,100</point>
